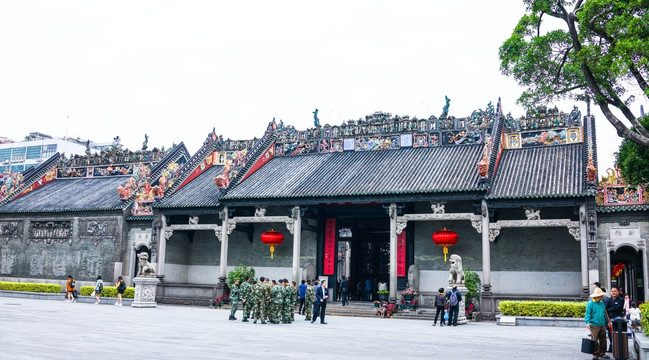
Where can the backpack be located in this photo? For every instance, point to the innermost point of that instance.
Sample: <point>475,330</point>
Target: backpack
<point>122,286</point>
<point>440,300</point>
<point>100,288</point>
<point>453,298</point>
<point>72,284</point>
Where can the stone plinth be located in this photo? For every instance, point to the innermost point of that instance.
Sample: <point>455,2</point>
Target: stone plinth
<point>145,289</point>
<point>461,315</point>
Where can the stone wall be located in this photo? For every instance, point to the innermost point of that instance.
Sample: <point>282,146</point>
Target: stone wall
<point>53,247</point>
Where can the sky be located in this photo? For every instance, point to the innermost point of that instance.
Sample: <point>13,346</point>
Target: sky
<point>174,70</point>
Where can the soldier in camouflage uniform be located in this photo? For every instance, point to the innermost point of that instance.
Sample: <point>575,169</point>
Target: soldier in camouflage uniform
<point>234,299</point>
<point>276,303</point>
<point>259,308</point>
<point>286,306</point>
<point>309,297</point>
<point>267,288</point>
<point>294,299</point>
<point>246,298</point>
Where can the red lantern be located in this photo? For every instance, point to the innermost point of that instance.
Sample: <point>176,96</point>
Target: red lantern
<point>272,238</point>
<point>445,238</point>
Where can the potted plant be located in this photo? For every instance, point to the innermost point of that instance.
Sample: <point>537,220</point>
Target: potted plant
<point>409,294</point>
<point>473,284</point>
<point>377,304</point>
<point>383,295</point>
<point>414,305</point>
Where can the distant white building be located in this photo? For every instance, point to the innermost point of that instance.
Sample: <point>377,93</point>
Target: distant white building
<point>20,156</point>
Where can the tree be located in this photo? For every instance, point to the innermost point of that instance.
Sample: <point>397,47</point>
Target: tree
<point>240,272</point>
<point>633,160</point>
<point>600,51</point>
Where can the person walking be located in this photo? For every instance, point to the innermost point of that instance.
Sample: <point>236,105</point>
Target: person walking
<point>121,286</point>
<point>246,297</point>
<point>321,296</point>
<point>234,299</point>
<point>99,288</point>
<point>69,287</point>
<point>454,298</point>
<point>440,304</point>
<point>344,290</point>
<point>301,297</point>
<point>309,298</point>
<point>596,321</point>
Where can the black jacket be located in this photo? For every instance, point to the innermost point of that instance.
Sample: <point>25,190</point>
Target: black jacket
<point>615,307</point>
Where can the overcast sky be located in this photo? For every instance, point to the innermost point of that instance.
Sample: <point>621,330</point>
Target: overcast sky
<point>175,70</point>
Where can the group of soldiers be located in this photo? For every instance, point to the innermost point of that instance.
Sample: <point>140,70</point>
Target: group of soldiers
<point>272,301</point>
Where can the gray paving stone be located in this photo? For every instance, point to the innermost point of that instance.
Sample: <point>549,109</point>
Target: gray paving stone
<point>49,329</point>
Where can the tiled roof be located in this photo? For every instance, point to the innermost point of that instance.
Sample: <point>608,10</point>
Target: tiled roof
<point>405,171</point>
<point>200,192</point>
<point>540,172</point>
<point>98,193</point>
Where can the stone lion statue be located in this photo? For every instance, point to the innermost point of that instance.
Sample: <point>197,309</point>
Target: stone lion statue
<point>456,273</point>
<point>144,267</point>
<point>413,277</point>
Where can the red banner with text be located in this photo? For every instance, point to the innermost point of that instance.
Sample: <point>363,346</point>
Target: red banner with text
<point>329,247</point>
<point>401,254</point>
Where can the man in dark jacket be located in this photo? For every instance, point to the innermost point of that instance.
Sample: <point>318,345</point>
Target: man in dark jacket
<point>614,308</point>
<point>454,298</point>
<point>344,289</point>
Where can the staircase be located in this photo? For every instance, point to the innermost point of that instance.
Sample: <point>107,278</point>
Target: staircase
<point>367,309</point>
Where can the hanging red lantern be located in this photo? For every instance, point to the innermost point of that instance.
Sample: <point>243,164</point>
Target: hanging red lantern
<point>445,238</point>
<point>272,238</point>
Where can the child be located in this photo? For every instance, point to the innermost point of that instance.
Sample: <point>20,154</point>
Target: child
<point>121,286</point>
<point>634,316</point>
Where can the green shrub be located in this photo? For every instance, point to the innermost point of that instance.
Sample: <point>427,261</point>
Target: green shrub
<point>644,320</point>
<point>472,283</point>
<point>109,291</point>
<point>31,287</point>
<point>543,308</point>
<point>240,272</point>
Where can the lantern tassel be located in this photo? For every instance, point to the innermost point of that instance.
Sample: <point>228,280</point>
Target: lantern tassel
<point>272,250</point>
<point>445,252</point>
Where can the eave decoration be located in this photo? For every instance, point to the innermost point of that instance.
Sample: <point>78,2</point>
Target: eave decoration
<point>445,238</point>
<point>272,238</point>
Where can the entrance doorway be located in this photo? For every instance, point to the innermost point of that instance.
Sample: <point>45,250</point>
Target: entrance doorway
<point>626,272</point>
<point>364,256</point>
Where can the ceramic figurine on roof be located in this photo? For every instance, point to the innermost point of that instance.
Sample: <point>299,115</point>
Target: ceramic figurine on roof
<point>146,141</point>
<point>613,191</point>
<point>12,182</point>
<point>445,109</point>
<point>316,121</point>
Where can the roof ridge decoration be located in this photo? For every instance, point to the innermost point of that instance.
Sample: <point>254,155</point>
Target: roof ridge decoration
<point>541,126</point>
<point>614,192</point>
<point>17,185</point>
<point>109,162</point>
<point>591,168</point>
<point>492,147</point>
<point>241,162</point>
<point>203,158</point>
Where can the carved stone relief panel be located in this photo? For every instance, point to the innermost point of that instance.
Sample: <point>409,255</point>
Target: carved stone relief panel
<point>11,230</point>
<point>96,231</point>
<point>50,231</point>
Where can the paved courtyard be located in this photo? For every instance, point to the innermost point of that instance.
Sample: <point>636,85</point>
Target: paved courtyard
<point>46,329</point>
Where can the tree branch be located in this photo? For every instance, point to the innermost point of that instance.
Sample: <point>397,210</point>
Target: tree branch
<point>638,77</point>
<point>563,62</point>
<point>538,26</point>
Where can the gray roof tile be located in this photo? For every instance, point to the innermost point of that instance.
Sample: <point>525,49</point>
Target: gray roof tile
<point>200,192</point>
<point>537,172</point>
<point>405,171</point>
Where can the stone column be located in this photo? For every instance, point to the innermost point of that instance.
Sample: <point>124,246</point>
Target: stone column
<point>162,245</point>
<point>297,238</point>
<point>487,302</point>
<point>224,246</point>
<point>486,248</point>
<point>393,250</point>
<point>583,246</point>
<point>644,268</point>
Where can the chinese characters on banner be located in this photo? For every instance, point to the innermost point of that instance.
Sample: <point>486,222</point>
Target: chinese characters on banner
<point>401,254</point>
<point>329,247</point>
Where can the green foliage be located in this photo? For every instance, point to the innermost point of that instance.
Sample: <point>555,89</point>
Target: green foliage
<point>109,291</point>
<point>240,272</point>
<point>472,283</point>
<point>543,308</point>
<point>31,287</point>
<point>598,51</point>
<point>633,160</point>
<point>644,320</point>
<point>383,292</point>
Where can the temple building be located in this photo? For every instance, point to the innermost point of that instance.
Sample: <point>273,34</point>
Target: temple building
<point>360,199</point>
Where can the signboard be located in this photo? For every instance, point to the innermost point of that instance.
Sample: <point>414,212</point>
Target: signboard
<point>401,254</point>
<point>329,247</point>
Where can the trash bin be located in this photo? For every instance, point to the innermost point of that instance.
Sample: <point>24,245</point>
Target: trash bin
<point>620,338</point>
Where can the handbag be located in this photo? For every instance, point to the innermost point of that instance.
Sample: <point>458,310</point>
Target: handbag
<point>93,293</point>
<point>446,316</point>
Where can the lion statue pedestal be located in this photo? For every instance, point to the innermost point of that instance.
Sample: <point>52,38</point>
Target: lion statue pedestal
<point>145,288</point>
<point>456,278</point>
